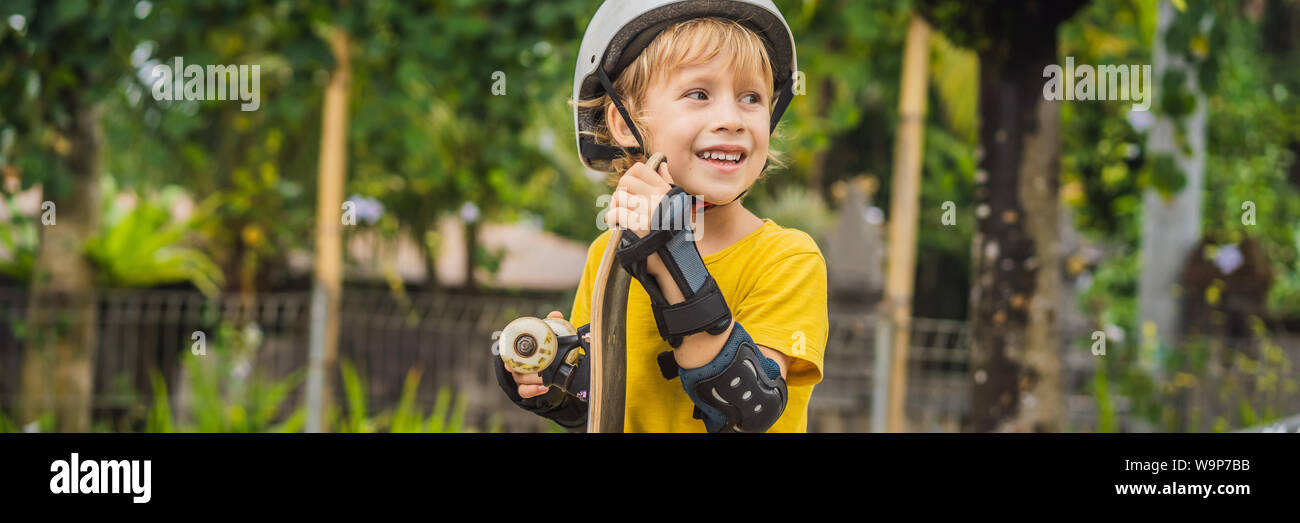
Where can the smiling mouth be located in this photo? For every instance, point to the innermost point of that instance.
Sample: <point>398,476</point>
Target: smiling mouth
<point>721,157</point>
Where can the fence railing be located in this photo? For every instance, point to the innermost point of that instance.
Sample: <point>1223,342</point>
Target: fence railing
<point>447,337</point>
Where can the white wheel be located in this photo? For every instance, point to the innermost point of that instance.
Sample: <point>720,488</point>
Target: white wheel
<point>528,345</point>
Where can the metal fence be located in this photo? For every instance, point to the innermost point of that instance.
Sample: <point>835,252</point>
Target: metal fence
<point>447,337</point>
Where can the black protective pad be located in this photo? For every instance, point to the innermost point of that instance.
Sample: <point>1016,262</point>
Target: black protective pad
<point>740,390</point>
<point>751,401</point>
<point>671,237</point>
<point>556,405</point>
<point>566,402</point>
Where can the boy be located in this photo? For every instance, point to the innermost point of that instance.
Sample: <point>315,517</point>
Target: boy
<point>733,306</point>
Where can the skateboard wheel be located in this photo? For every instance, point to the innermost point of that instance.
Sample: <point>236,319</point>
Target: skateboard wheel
<point>528,345</point>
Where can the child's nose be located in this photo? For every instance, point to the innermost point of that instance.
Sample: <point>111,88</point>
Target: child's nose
<point>728,119</point>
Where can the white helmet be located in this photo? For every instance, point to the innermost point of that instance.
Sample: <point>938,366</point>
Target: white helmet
<point>621,29</point>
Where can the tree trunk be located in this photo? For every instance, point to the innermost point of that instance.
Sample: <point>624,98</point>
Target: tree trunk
<point>58,364</point>
<point>1171,227</point>
<point>905,199</point>
<point>430,253</point>
<point>327,287</point>
<point>1015,347</point>
<point>471,253</point>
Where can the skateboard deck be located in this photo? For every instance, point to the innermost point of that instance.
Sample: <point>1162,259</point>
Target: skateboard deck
<point>608,358</point>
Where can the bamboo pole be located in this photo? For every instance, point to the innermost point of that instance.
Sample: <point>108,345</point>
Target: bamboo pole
<point>904,203</point>
<point>327,284</point>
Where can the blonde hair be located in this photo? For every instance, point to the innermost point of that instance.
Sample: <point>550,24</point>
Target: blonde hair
<point>692,42</point>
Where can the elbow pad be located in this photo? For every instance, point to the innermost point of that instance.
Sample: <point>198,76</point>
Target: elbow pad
<point>741,390</point>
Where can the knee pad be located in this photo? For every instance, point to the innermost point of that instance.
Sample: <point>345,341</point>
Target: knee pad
<point>741,390</point>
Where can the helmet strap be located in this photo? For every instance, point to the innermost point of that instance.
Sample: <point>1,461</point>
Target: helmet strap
<point>784,94</point>
<point>613,95</point>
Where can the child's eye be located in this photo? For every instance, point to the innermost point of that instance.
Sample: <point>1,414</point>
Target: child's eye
<point>701,94</point>
<point>751,98</point>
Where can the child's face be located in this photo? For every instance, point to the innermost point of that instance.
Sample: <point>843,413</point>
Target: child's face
<point>703,110</point>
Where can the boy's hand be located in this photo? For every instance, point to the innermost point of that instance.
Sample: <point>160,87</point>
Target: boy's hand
<point>637,196</point>
<point>634,201</point>
<point>530,385</point>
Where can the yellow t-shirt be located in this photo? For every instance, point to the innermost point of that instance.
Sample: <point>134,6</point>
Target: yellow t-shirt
<point>774,280</point>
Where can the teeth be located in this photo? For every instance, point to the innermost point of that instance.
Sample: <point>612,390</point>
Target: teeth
<point>715,155</point>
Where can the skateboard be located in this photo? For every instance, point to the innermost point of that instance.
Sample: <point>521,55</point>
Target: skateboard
<point>609,334</point>
<point>529,344</point>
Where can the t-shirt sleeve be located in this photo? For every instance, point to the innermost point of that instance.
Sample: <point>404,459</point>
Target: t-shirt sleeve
<point>787,312</point>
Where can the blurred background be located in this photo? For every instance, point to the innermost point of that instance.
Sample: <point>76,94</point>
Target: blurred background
<point>997,261</point>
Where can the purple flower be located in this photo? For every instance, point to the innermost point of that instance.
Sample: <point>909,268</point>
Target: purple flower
<point>368,210</point>
<point>469,212</point>
<point>1228,258</point>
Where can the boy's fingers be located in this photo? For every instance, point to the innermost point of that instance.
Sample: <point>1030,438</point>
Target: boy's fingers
<point>644,177</point>
<point>555,314</point>
<point>526,379</point>
<point>616,217</point>
<point>640,195</point>
<point>528,391</point>
<point>621,216</point>
<point>627,200</point>
<point>663,171</point>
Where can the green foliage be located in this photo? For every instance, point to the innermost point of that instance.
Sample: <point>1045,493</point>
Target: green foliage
<point>407,415</point>
<point>10,424</point>
<point>160,415</point>
<point>259,166</point>
<point>429,133</point>
<point>355,392</point>
<point>1251,147</point>
<point>6,425</point>
<point>1165,176</point>
<point>841,127</point>
<point>952,69</point>
<point>18,242</point>
<point>797,207</point>
<point>489,259</point>
<point>66,57</point>
<point>141,245</point>
<point>1285,293</point>
<point>1105,169</point>
<point>1101,152</point>
<point>222,393</point>
<point>144,246</point>
<point>1106,422</point>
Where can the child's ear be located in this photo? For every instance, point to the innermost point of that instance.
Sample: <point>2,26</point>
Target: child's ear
<point>618,127</point>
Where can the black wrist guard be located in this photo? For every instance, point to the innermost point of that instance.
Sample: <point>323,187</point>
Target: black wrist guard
<point>569,378</point>
<point>672,238</point>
